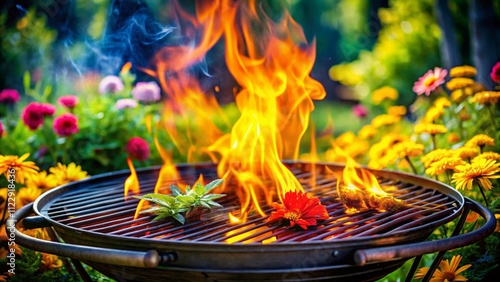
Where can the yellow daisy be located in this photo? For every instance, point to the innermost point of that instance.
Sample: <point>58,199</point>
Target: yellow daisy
<point>22,169</point>
<point>50,261</point>
<point>384,93</point>
<point>442,102</point>
<point>467,153</point>
<point>408,149</point>
<point>463,71</point>
<point>42,180</point>
<point>436,155</point>
<point>385,119</point>
<point>486,97</point>
<point>66,174</point>
<point>26,195</point>
<point>444,164</point>
<point>397,110</point>
<point>345,139</point>
<point>449,271</point>
<point>367,132</point>
<point>430,128</point>
<point>480,141</point>
<point>459,95</point>
<point>453,138</point>
<point>433,113</point>
<point>459,83</point>
<point>488,156</point>
<point>481,170</point>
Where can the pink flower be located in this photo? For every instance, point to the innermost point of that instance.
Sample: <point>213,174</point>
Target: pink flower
<point>125,103</point>
<point>66,125</point>
<point>9,96</point>
<point>47,109</point>
<point>495,73</point>
<point>146,92</point>
<point>359,110</point>
<point>32,115</point>
<point>110,83</point>
<point>68,101</point>
<point>138,148</point>
<point>1,129</point>
<point>429,81</point>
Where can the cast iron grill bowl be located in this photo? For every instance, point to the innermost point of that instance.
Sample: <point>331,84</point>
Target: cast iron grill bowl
<point>96,223</point>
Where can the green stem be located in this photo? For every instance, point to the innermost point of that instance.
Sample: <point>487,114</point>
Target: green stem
<point>448,176</point>
<point>411,165</point>
<point>492,116</point>
<point>482,192</point>
<point>433,136</point>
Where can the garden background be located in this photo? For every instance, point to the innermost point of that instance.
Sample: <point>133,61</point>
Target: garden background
<point>75,98</point>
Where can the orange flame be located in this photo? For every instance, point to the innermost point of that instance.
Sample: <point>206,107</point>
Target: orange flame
<point>132,182</point>
<point>168,171</point>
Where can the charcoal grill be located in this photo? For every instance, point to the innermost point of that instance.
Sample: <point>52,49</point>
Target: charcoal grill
<point>96,223</point>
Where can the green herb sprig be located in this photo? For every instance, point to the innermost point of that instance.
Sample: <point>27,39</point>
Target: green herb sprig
<point>178,203</point>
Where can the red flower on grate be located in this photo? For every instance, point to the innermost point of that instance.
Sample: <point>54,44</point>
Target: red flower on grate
<point>298,210</point>
<point>138,148</point>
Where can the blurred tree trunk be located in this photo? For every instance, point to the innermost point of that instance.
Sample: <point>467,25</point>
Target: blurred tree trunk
<point>449,45</point>
<point>485,39</point>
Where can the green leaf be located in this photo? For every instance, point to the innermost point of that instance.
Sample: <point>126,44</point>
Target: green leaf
<point>214,204</point>
<point>205,205</point>
<point>179,218</point>
<point>175,190</point>
<point>200,190</point>
<point>214,184</point>
<point>185,200</point>
<point>213,196</point>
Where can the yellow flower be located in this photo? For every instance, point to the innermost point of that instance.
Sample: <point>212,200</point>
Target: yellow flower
<point>488,156</point>
<point>442,102</point>
<point>453,138</point>
<point>467,152</point>
<point>345,139</point>
<point>433,113</point>
<point>436,155</point>
<point>367,131</point>
<point>448,271</point>
<point>459,83</point>
<point>66,174</point>
<point>430,128</point>
<point>459,95</point>
<point>382,120</point>
<point>481,170</point>
<point>23,169</point>
<point>50,261</point>
<point>397,110</point>
<point>480,140</point>
<point>26,195</point>
<point>444,164</point>
<point>408,149</point>
<point>384,93</point>
<point>486,97</point>
<point>42,180</point>
<point>463,71</point>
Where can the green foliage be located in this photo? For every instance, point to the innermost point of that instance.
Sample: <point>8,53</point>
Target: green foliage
<point>173,206</point>
<point>28,268</point>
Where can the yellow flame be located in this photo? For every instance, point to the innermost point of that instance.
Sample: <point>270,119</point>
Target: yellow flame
<point>168,171</point>
<point>132,182</point>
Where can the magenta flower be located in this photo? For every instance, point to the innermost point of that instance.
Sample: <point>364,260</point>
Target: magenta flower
<point>47,109</point>
<point>9,96</point>
<point>68,101</point>
<point>429,81</point>
<point>1,129</point>
<point>146,92</point>
<point>495,73</point>
<point>359,111</point>
<point>138,148</point>
<point>125,103</point>
<point>66,125</point>
<point>110,84</point>
<point>32,115</point>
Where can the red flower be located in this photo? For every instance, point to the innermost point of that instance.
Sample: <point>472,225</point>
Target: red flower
<point>32,115</point>
<point>359,111</point>
<point>68,101</point>
<point>47,109</point>
<point>1,129</point>
<point>298,209</point>
<point>66,125</point>
<point>495,73</point>
<point>138,148</point>
<point>9,96</point>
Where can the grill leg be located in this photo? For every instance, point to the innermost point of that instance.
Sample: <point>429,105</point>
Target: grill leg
<point>413,268</point>
<point>456,231</point>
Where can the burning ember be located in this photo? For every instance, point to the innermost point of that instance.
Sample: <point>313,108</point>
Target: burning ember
<point>271,61</point>
<point>359,190</point>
